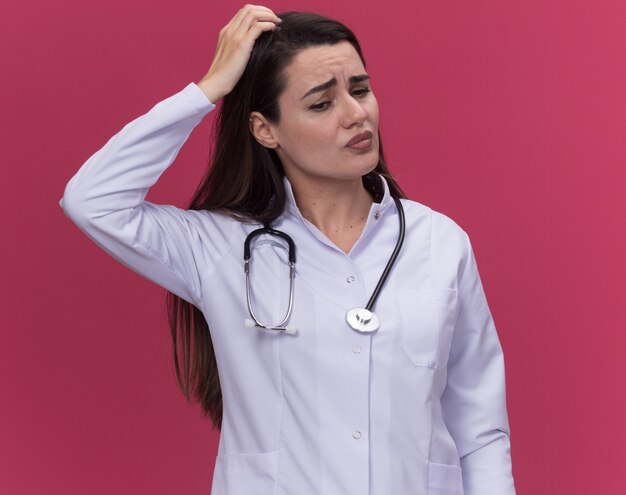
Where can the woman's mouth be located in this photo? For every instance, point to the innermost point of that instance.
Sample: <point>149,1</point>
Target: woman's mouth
<point>361,141</point>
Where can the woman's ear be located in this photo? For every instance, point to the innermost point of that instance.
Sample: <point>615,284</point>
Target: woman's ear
<point>262,130</point>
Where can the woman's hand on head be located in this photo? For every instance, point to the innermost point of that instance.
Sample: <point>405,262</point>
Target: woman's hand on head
<point>234,46</point>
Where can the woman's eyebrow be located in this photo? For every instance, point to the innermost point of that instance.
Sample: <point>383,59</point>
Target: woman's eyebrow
<point>333,82</point>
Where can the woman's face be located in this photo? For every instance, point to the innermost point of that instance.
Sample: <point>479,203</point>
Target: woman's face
<point>317,123</point>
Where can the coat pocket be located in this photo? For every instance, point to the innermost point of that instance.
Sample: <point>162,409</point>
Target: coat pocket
<point>245,473</point>
<point>427,324</point>
<point>444,479</point>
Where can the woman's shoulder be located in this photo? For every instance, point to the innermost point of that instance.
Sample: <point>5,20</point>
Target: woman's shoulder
<point>449,242</point>
<point>440,223</point>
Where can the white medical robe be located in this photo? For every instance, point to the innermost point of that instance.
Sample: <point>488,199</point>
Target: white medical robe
<point>416,408</point>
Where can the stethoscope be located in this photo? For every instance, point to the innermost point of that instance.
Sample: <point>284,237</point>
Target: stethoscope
<point>363,320</point>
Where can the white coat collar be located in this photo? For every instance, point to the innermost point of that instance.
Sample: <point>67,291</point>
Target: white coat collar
<point>384,207</point>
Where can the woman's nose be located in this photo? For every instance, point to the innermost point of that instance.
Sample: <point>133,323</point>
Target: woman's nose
<point>353,112</point>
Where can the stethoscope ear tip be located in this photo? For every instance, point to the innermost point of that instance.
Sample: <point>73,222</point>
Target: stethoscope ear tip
<point>290,329</point>
<point>249,323</point>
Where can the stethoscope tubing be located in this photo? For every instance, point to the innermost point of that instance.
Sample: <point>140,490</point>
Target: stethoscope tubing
<point>392,259</point>
<point>292,275</point>
<point>359,323</point>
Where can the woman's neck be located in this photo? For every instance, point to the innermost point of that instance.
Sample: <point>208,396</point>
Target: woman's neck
<point>338,208</point>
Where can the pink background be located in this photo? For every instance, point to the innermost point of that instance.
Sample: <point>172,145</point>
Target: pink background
<point>507,116</point>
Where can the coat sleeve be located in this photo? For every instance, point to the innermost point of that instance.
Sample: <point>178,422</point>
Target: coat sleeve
<point>474,402</point>
<point>105,199</point>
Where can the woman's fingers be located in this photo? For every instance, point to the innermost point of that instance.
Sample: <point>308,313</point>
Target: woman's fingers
<point>260,26</point>
<point>234,46</point>
<point>248,17</point>
<point>251,13</point>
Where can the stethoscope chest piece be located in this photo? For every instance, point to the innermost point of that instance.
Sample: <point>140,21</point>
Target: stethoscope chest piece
<point>362,320</point>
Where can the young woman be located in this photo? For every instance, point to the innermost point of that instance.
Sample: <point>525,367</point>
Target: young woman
<point>362,359</point>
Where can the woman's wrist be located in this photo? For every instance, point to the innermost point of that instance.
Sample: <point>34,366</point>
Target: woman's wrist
<point>211,89</point>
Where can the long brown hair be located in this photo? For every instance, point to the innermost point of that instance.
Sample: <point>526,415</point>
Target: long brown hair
<point>245,181</point>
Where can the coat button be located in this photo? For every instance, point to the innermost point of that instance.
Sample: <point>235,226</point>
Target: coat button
<point>356,349</point>
<point>350,279</point>
<point>356,434</point>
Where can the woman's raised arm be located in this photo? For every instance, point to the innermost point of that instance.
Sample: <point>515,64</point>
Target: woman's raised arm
<point>106,198</point>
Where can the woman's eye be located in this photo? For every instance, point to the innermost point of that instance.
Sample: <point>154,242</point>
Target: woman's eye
<point>320,107</point>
